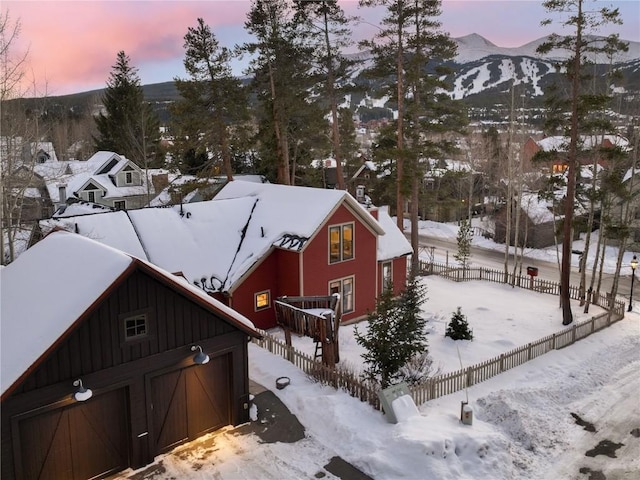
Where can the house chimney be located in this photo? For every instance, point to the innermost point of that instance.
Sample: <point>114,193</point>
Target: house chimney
<point>374,212</point>
<point>62,193</point>
<point>159,181</point>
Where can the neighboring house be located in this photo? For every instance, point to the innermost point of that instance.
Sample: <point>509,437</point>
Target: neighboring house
<point>106,179</point>
<point>189,188</point>
<point>104,370</point>
<point>40,152</point>
<point>538,227</point>
<point>560,145</point>
<point>630,209</point>
<point>25,195</point>
<point>255,242</point>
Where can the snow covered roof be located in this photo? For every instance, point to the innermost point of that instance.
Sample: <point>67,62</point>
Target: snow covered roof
<point>68,273</point>
<point>537,209</point>
<point>80,208</point>
<point>393,243</point>
<point>561,143</point>
<point>222,239</point>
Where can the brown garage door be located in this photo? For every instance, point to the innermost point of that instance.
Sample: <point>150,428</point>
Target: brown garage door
<point>189,402</point>
<point>84,440</point>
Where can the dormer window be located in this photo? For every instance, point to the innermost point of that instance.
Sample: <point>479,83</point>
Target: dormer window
<point>128,178</point>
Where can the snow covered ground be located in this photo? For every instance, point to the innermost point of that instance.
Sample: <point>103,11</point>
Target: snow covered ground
<point>523,427</point>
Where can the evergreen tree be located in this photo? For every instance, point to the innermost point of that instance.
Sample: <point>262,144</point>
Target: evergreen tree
<point>458,328</point>
<point>408,40</point>
<point>579,46</point>
<point>130,127</point>
<point>464,238</point>
<point>325,26</point>
<point>208,120</point>
<point>395,335</point>
<point>282,80</point>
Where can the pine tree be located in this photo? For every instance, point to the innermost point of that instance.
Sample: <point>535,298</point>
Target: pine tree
<point>409,38</point>
<point>395,335</point>
<point>464,244</point>
<point>325,25</point>
<point>282,81</point>
<point>214,107</point>
<point>458,328</point>
<point>129,127</point>
<point>579,46</point>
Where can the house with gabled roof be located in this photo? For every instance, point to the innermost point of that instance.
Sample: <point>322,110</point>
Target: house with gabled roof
<point>116,362</point>
<point>255,242</point>
<point>559,145</point>
<point>106,179</point>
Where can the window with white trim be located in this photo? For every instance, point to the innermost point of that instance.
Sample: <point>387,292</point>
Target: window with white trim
<point>262,300</point>
<point>345,287</point>
<point>387,275</point>
<point>341,243</point>
<point>128,178</point>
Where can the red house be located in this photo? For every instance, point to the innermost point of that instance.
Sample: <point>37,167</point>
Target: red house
<point>560,146</point>
<point>255,242</point>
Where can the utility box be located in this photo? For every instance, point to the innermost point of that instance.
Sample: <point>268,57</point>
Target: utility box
<point>533,271</point>
<point>388,395</point>
<point>466,413</point>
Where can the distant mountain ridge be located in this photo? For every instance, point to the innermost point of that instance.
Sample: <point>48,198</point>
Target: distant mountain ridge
<point>483,75</point>
<point>474,47</point>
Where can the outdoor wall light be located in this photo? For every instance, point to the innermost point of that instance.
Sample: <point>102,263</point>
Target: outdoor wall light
<point>82,394</point>
<point>199,358</point>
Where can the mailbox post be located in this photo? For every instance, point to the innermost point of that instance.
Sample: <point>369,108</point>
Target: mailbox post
<point>532,272</point>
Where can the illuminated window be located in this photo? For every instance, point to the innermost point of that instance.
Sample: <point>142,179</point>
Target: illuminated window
<point>344,287</point>
<point>340,243</point>
<point>135,327</point>
<point>262,300</point>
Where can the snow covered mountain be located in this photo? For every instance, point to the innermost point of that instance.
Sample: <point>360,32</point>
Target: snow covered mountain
<point>484,72</point>
<point>474,47</point>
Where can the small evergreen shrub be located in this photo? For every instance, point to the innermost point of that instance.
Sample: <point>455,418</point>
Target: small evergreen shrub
<point>458,328</point>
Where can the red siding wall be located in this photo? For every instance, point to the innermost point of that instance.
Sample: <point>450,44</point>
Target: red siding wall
<point>264,277</point>
<point>399,274</point>
<point>317,272</point>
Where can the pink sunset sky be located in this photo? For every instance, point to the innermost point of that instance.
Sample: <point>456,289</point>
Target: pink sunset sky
<point>72,45</point>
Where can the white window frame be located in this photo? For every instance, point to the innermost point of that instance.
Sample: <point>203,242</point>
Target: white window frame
<point>347,297</point>
<point>385,278</point>
<point>341,257</point>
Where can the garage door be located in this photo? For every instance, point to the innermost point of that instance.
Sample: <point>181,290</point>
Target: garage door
<point>84,440</point>
<point>189,402</point>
